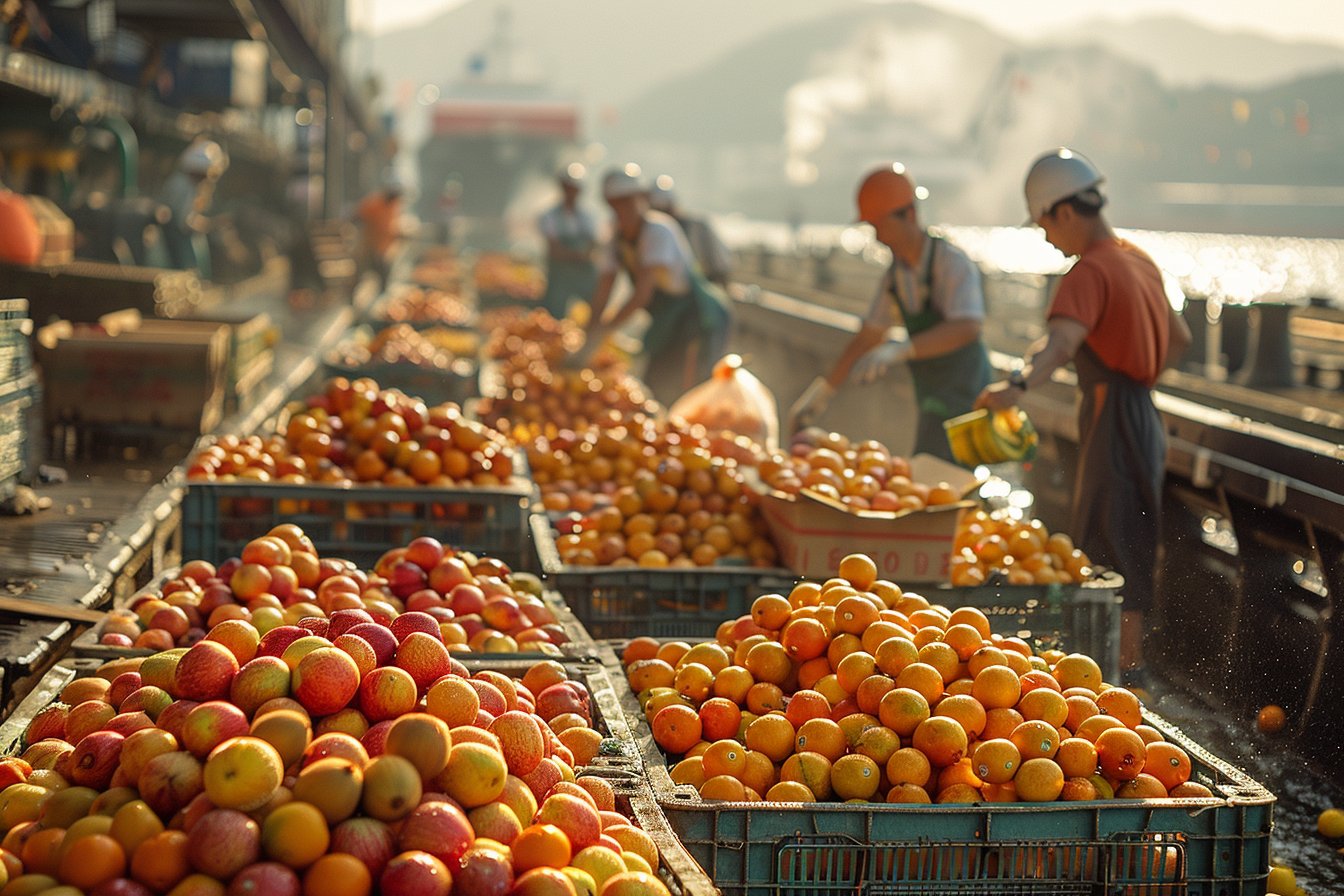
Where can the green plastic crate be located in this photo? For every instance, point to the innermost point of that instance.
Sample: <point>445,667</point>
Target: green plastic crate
<point>358,523</point>
<point>1215,846</point>
<point>623,602</point>
<point>1082,618</point>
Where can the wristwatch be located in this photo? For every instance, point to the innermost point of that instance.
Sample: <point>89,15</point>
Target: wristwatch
<point>1017,380</point>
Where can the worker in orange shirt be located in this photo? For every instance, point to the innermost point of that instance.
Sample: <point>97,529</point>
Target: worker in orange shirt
<point>1111,317</point>
<point>379,216</point>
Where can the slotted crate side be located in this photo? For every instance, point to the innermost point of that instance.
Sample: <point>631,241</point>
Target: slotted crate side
<point>628,601</point>
<point>1203,847</point>
<point>1082,618</point>
<point>16,357</point>
<point>359,523</point>
<point>16,398</point>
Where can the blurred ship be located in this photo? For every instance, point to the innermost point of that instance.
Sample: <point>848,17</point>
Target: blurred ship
<point>492,133</point>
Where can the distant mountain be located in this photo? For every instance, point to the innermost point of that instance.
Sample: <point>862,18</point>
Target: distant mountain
<point>1188,54</point>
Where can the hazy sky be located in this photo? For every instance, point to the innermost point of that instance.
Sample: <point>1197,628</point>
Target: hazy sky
<point>1315,19</point>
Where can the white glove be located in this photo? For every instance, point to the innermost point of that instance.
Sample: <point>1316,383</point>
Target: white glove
<point>810,405</point>
<point>875,363</point>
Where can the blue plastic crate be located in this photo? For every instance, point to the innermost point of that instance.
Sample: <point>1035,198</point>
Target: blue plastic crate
<point>16,399</point>
<point>1216,846</point>
<point>1082,618</point>
<point>358,523</point>
<point>622,602</point>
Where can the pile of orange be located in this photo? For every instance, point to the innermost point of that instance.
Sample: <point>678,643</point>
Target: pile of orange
<point>540,400</point>
<point>515,333</point>
<point>1024,552</point>
<point>862,475</point>
<point>650,494</point>
<point>853,690</point>
<point>497,272</point>
<point>424,305</point>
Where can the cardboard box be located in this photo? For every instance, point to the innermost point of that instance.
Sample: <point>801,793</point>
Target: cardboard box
<point>169,376</point>
<point>814,533</point>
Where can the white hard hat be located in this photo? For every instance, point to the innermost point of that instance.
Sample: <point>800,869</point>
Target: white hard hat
<point>661,195</point>
<point>572,174</point>
<point>622,182</point>
<point>1058,175</point>
<point>203,157</point>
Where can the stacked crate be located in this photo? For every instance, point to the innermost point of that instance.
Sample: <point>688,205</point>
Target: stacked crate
<point>18,394</point>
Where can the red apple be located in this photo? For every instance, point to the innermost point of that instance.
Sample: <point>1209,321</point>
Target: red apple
<point>325,680</point>
<point>380,638</point>
<point>342,621</point>
<point>95,758</point>
<point>415,874</point>
<point>223,842</point>
<point>406,623</point>
<point>210,724</point>
<point>205,671</point>
<point>259,680</point>
<point>367,839</point>
<point>274,642</point>
<point>440,829</point>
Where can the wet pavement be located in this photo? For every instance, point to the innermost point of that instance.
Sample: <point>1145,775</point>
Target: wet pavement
<point>1304,786</point>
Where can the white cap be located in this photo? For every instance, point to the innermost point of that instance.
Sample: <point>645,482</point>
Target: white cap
<point>661,195</point>
<point>1056,176</point>
<point>622,182</point>
<point>572,174</point>
<point>203,157</point>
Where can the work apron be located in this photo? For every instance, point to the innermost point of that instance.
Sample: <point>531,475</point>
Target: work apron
<point>945,386</point>
<point>569,280</point>
<point>687,332</point>
<point>1117,494</point>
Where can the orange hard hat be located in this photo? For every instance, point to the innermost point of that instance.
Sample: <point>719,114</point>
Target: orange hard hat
<point>883,191</point>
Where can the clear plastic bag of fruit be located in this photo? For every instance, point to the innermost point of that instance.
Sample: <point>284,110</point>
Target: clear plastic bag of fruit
<point>732,400</point>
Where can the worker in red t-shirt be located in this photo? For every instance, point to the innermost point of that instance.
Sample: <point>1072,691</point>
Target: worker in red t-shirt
<point>1111,317</point>
<point>379,216</point>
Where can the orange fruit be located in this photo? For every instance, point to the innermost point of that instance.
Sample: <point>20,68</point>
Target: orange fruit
<point>1121,753</point>
<point>973,617</point>
<point>997,687</point>
<point>772,735</point>
<point>853,669</point>
<point>1168,763</point>
<point>1000,723</point>
<point>1081,709</point>
<point>966,710</point>
<point>902,710</point>
<point>1039,780</point>
<point>91,861</point>
<point>676,728</point>
<point>337,874</point>
<point>733,683</point>
<point>810,769</point>
<point>764,697</point>
<point>690,770</point>
<point>964,639</point>
<point>719,718</point>
<point>821,736</point>
<point>1092,727</point>
<point>804,639</point>
<point>724,757</point>
<point>855,777</point>
<point>859,570</point>
<point>924,679</point>
<point>1142,787</point>
<point>1121,704</point>
<point>909,766</point>
<point>1045,705</point>
<point>1271,719</point>
<point>986,656</point>
<point>1189,790</point>
<point>871,691</point>
<point>806,704</point>
<point>723,787</point>
<point>813,671</point>
<point>1077,670</point>
<point>540,846</point>
<point>769,661</point>
<point>907,793</point>
<point>650,673</point>
<point>771,611</point>
<point>161,861</point>
<point>790,792</point>
<point>1077,757</point>
<point>1149,734</point>
<point>872,637</point>
<point>941,739</point>
<point>759,772</point>
<point>996,761</point>
<point>894,654</point>
<point>943,657</point>
<point>878,743</point>
<point>958,773</point>
<point>1035,739</point>
<point>671,652</point>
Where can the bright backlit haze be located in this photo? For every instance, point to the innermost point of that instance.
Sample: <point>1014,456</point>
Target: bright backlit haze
<point>1319,20</point>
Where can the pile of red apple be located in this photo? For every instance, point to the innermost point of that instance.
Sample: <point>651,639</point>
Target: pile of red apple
<point>468,603</point>
<point>353,431</point>
<point>287,766</point>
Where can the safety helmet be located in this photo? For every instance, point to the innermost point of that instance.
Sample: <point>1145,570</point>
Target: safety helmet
<point>886,189</point>
<point>662,196</point>
<point>203,157</point>
<point>571,175</point>
<point>622,182</point>
<point>1058,175</point>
